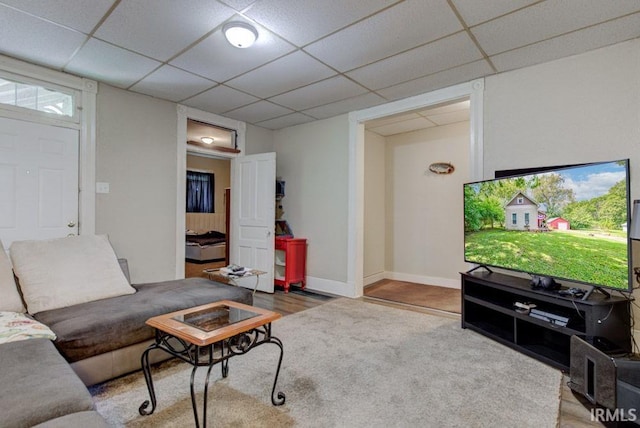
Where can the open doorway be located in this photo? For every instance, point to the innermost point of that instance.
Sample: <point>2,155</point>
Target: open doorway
<point>413,210</point>
<point>207,191</point>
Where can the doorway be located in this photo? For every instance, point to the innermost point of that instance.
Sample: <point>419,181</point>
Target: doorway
<point>412,215</point>
<point>472,90</point>
<point>207,191</point>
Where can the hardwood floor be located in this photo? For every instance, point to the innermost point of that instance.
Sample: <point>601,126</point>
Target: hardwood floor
<point>573,411</point>
<point>429,296</point>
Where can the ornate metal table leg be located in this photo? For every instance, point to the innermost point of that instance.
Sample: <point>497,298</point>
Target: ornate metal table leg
<point>279,401</point>
<point>146,369</point>
<point>193,397</point>
<point>225,367</point>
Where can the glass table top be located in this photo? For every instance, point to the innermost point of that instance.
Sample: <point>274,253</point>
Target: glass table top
<point>216,317</point>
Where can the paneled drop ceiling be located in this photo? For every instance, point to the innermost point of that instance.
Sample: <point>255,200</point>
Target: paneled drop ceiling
<point>313,59</point>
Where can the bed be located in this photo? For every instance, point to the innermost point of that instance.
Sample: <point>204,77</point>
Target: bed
<point>205,247</point>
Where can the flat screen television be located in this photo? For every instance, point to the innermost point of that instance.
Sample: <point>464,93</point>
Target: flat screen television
<point>566,223</point>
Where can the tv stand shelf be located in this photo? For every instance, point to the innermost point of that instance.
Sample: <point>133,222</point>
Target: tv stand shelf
<point>488,307</point>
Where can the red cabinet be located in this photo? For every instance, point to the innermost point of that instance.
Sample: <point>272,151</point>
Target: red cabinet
<point>290,262</point>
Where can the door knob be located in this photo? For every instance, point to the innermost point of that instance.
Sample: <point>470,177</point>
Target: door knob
<point>71,224</point>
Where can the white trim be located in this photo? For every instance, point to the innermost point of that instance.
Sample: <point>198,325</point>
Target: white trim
<point>85,91</point>
<point>421,279</point>
<point>368,280</point>
<point>328,286</point>
<point>185,113</point>
<point>474,90</point>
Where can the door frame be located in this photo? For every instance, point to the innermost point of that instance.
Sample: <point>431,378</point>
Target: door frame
<point>184,114</point>
<point>85,92</point>
<point>473,90</point>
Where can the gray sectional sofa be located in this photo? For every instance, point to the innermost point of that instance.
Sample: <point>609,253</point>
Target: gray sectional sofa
<point>43,382</point>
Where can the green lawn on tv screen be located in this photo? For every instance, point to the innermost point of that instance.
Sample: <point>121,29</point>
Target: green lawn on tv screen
<point>586,256</point>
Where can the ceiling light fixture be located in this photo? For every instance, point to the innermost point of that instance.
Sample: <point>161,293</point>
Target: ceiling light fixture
<point>206,140</point>
<point>240,34</point>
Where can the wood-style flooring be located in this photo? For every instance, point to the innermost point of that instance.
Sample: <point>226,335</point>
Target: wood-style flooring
<point>428,296</point>
<point>574,410</point>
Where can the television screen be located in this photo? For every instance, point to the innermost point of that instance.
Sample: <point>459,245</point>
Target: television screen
<point>566,223</point>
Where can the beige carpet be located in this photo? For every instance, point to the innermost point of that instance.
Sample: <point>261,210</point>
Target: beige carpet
<point>349,363</point>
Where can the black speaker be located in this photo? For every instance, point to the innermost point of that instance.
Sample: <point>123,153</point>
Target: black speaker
<point>604,375</point>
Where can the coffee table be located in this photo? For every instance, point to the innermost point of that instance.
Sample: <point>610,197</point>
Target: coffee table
<point>230,278</point>
<point>207,335</point>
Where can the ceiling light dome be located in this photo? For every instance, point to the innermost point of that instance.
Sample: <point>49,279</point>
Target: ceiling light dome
<point>206,140</point>
<point>240,34</point>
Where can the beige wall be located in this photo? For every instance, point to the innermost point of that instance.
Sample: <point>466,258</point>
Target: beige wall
<point>425,241</point>
<point>374,224</point>
<point>136,154</point>
<point>221,168</point>
<point>585,108</point>
<point>312,159</point>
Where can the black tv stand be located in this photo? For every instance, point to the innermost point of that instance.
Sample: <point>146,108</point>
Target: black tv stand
<point>489,308</point>
<point>595,288</point>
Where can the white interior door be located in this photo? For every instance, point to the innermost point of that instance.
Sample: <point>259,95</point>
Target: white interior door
<point>38,181</point>
<point>253,181</point>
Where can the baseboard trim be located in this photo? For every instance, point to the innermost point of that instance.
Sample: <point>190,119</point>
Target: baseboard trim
<point>420,279</point>
<point>329,286</point>
<point>368,280</point>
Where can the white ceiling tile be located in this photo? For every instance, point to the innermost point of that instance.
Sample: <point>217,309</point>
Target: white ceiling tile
<point>545,20</point>
<point>277,77</point>
<point>351,104</point>
<point>475,12</point>
<point>404,26</point>
<point>217,60</point>
<point>85,15</point>
<point>453,76</point>
<point>570,44</point>
<point>391,119</point>
<point>451,117</point>
<point>451,107</point>
<point>286,121</point>
<point>220,99</point>
<point>238,4</point>
<point>161,28</point>
<point>403,126</point>
<point>258,112</point>
<point>303,21</point>
<point>418,62</point>
<point>172,84</point>
<point>327,91</point>
<point>44,43</point>
<point>107,63</point>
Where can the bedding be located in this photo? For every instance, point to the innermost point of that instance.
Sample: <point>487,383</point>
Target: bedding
<point>205,247</point>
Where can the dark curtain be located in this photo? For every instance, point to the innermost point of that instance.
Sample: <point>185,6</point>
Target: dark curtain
<point>199,192</point>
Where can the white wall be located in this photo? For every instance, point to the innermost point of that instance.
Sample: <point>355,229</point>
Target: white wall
<point>258,140</point>
<point>312,159</point>
<point>584,108</point>
<point>374,207</point>
<point>136,155</point>
<point>425,241</point>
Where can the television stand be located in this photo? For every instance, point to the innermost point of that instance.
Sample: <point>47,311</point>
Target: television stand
<point>489,308</point>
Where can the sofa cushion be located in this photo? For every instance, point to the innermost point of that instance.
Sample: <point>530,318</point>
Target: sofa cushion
<point>56,273</point>
<point>10,299</point>
<point>89,419</point>
<point>97,327</point>
<point>15,326</point>
<point>37,384</point>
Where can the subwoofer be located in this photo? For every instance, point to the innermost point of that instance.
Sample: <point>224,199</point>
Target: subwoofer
<point>605,376</point>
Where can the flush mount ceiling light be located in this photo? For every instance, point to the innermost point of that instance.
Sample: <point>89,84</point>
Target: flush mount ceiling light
<point>240,34</point>
<point>206,140</point>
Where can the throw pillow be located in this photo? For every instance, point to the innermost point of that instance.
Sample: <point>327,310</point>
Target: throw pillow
<point>10,299</point>
<point>62,272</point>
<point>15,326</point>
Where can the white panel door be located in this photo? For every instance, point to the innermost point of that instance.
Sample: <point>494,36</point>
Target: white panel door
<point>253,216</point>
<point>38,181</point>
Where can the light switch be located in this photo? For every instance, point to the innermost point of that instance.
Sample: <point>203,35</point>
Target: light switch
<point>102,187</point>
